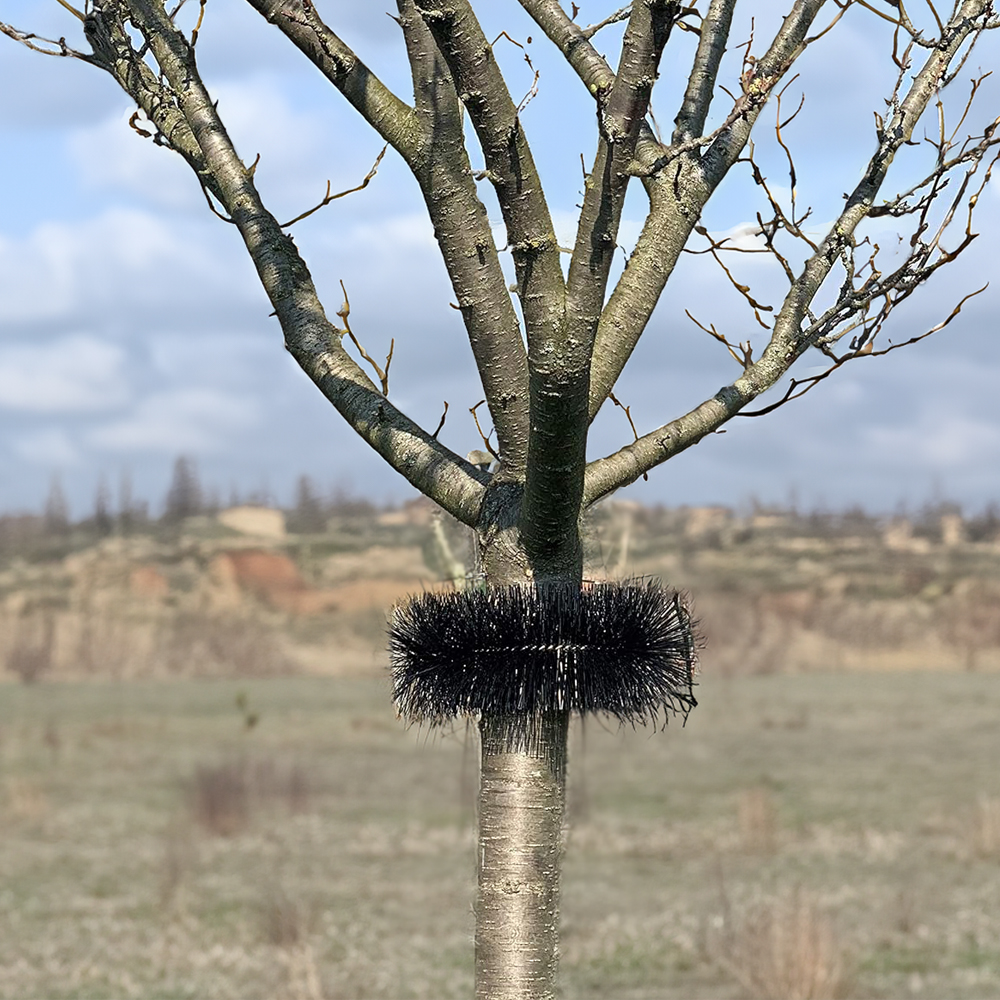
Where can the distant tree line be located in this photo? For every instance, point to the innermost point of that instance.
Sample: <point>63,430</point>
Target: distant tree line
<point>312,508</point>
<point>51,530</point>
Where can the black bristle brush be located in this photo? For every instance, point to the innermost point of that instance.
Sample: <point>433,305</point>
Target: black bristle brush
<point>627,650</point>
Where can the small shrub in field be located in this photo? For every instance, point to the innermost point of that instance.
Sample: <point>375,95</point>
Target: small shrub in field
<point>785,950</point>
<point>223,796</point>
<point>284,921</point>
<point>758,819</point>
<point>30,655</point>
<point>985,828</point>
<point>220,797</point>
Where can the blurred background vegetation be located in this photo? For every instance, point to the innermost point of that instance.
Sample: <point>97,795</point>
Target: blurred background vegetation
<point>204,790</point>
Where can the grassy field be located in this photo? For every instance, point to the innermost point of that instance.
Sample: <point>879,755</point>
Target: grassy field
<point>159,840</point>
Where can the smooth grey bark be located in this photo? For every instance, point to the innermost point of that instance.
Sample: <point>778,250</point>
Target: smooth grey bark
<point>521,805</point>
<point>431,139</point>
<point>546,375</point>
<point>568,37</point>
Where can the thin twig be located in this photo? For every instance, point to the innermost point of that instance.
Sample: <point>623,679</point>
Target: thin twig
<point>936,16</point>
<point>744,290</point>
<point>76,13</point>
<point>31,41</point>
<point>327,198</point>
<point>618,15</point>
<point>486,440</point>
<point>745,355</point>
<point>211,204</point>
<point>533,89</point>
<point>628,416</point>
<point>197,27</point>
<point>444,417</point>
<point>795,391</point>
<point>382,373</point>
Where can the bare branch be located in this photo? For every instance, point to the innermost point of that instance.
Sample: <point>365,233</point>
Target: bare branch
<point>628,416</point>
<point>327,198</point>
<point>485,437</point>
<point>744,290</point>
<point>77,14</point>
<point>548,520</point>
<point>741,353</point>
<point>621,118</point>
<point>392,118</point>
<point>197,27</point>
<point>715,28</point>
<point>314,342</point>
<point>937,17</point>
<point>45,46</point>
<point>383,373</point>
<point>790,337</point>
<point>114,52</point>
<point>679,183</point>
<point>799,387</point>
<point>444,417</point>
<point>571,41</point>
<point>618,15</point>
<point>462,229</point>
<point>780,220</point>
<point>510,167</point>
<point>430,138</point>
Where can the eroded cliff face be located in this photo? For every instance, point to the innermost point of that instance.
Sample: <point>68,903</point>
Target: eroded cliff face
<point>774,593</point>
<point>138,607</point>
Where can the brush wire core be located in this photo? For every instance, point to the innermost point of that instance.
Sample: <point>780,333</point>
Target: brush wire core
<point>624,649</point>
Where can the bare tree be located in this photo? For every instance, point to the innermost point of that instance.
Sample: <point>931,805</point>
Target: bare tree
<point>550,349</point>
<point>184,495</point>
<point>56,509</point>
<point>308,514</point>
<point>103,520</point>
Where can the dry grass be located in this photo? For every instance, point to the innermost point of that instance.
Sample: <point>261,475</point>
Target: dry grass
<point>202,644</point>
<point>350,871</point>
<point>784,950</point>
<point>179,857</point>
<point>25,800</point>
<point>303,974</point>
<point>285,922</point>
<point>758,820</point>
<point>984,832</point>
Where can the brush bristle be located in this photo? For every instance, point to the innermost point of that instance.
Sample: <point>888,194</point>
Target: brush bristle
<point>627,650</point>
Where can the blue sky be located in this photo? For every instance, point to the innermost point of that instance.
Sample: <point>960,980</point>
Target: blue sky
<point>132,327</point>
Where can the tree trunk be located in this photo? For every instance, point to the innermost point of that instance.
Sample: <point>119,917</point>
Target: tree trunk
<point>521,802</point>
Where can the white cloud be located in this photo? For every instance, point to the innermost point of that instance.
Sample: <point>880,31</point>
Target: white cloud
<point>946,442</point>
<point>113,155</point>
<point>260,119</point>
<point>393,235</point>
<point>178,420</point>
<point>76,374</point>
<point>50,447</point>
<point>112,268</point>
<point>173,286</point>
